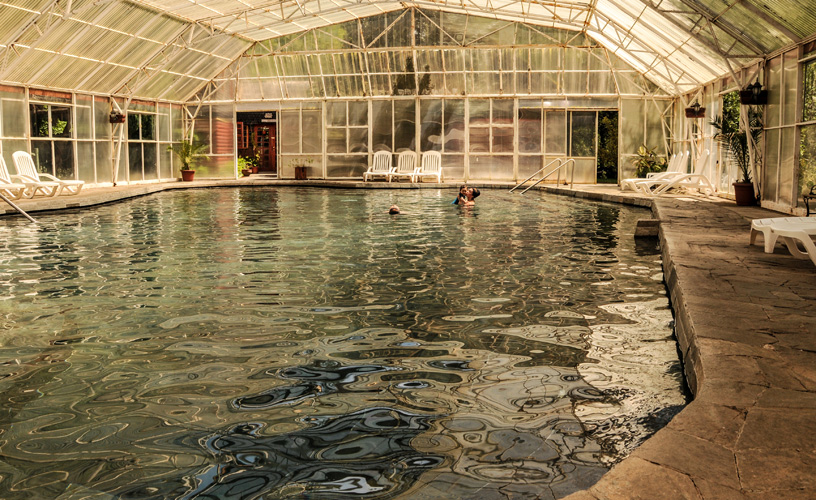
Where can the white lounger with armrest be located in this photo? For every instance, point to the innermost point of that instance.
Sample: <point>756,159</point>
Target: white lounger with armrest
<point>380,166</point>
<point>677,164</point>
<point>431,166</point>
<point>798,238</point>
<point>406,166</point>
<point>9,188</point>
<point>697,180</point>
<point>26,170</point>
<point>767,227</point>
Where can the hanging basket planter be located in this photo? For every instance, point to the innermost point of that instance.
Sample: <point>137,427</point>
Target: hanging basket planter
<point>116,117</point>
<point>750,97</point>
<point>695,112</point>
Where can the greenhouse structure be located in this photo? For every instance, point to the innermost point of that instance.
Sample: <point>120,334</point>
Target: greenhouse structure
<point>499,89</point>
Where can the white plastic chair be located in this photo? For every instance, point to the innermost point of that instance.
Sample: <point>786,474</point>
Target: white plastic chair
<point>12,190</point>
<point>406,166</point>
<point>380,166</point>
<point>26,170</point>
<point>431,166</point>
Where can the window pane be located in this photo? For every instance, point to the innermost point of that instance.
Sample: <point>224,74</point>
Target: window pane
<point>135,161</point>
<point>503,111</point>
<point>807,160</point>
<point>809,92</point>
<point>431,131</point>
<point>502,139</point>
<point>64,159</point>
<point>404,131</point>
<point>454,118</point>
<point>148,127</point>
<point>556,132</point>
<point>381,126</point>
<point>479,112</point>
<point>290,131</point>
<point>313,140</point>
<point>39,120</point>
<point>358,140</point>
<point>133,123</point>
<point>529,130</point>
<point>582,133</point>
<point>151,170</point>
<point>41,152</point>
<point>480,140</point>
<point>60,121</point>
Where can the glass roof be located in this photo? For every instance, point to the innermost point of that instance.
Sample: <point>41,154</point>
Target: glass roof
<point>169,49</point>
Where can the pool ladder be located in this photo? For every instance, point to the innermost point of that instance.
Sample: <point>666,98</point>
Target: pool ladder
<point>561,164</point>
<point>15,207</point>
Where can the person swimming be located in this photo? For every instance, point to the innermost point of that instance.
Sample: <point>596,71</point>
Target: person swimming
<point>470,196</point>
<point>462,196</point>
<point>394,210</point>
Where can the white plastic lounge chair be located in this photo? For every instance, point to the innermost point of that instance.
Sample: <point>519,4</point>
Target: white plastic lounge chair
<point>406,166</point>
<point>676,166</point>
<point>696,180</point>
<point>766,228</point>
<point>12,190</point>
<point>431,166</point>
<point>27,170</point>
<point>380,167</point>
<point>795,235</point>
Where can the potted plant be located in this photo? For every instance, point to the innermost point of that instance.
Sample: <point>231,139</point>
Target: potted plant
<point>244,166</point>
<point>647,161</point>
<point>186,151</point>
<point>734,140</point>
<point>301,166</point>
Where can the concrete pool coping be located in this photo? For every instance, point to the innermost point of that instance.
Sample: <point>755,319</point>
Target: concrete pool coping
<point>745,325</point>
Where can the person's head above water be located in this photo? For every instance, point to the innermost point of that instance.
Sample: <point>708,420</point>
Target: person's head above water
<point>473,193</point>
<point>393,210</point>
<point>463,190</point>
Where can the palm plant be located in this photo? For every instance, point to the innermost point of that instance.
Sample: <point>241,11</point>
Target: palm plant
<point>186,151</point>
<point>735,140</point>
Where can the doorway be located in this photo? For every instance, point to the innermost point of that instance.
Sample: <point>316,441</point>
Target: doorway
<point>264,143</point>
<point>257,140</point>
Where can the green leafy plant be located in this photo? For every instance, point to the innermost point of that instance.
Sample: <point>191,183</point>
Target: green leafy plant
<point>244,163</point>
<point>735,140</point>
<point>186,151</point>
<point>647,161</point>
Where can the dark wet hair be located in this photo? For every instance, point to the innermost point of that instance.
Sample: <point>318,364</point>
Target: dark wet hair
<point>476,193</point>
<point>393,211</point>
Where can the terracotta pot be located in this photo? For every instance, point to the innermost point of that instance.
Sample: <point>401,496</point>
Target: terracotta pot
<point>744,194</point>
<point>187,175</point>
<point>246,171</point>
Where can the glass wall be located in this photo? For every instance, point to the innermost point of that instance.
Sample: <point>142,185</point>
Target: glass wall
<point>70,135</point>
<point>807,132</point>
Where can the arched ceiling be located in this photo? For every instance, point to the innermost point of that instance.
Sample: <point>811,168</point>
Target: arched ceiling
<point>168,49</point>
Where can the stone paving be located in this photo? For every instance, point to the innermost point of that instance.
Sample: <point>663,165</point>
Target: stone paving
<point>746,327</point>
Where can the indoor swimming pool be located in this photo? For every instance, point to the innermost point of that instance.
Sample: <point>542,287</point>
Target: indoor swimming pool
<point>303,343</point>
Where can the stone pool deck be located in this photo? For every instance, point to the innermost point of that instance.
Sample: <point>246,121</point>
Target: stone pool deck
<point>746,326</point>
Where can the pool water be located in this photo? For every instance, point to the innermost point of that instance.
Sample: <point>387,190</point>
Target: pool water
<point>303,343</point>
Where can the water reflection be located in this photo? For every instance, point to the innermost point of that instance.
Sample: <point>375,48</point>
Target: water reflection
<point>296,342</point>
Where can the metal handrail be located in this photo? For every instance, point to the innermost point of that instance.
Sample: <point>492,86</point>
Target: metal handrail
<point>15,207</point>
<point>558,180</point>
<point>536,173</point>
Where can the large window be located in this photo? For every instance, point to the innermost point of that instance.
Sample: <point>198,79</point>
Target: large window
<point>807,139</point>
<point>51,121</point>
<point>142,154</point>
